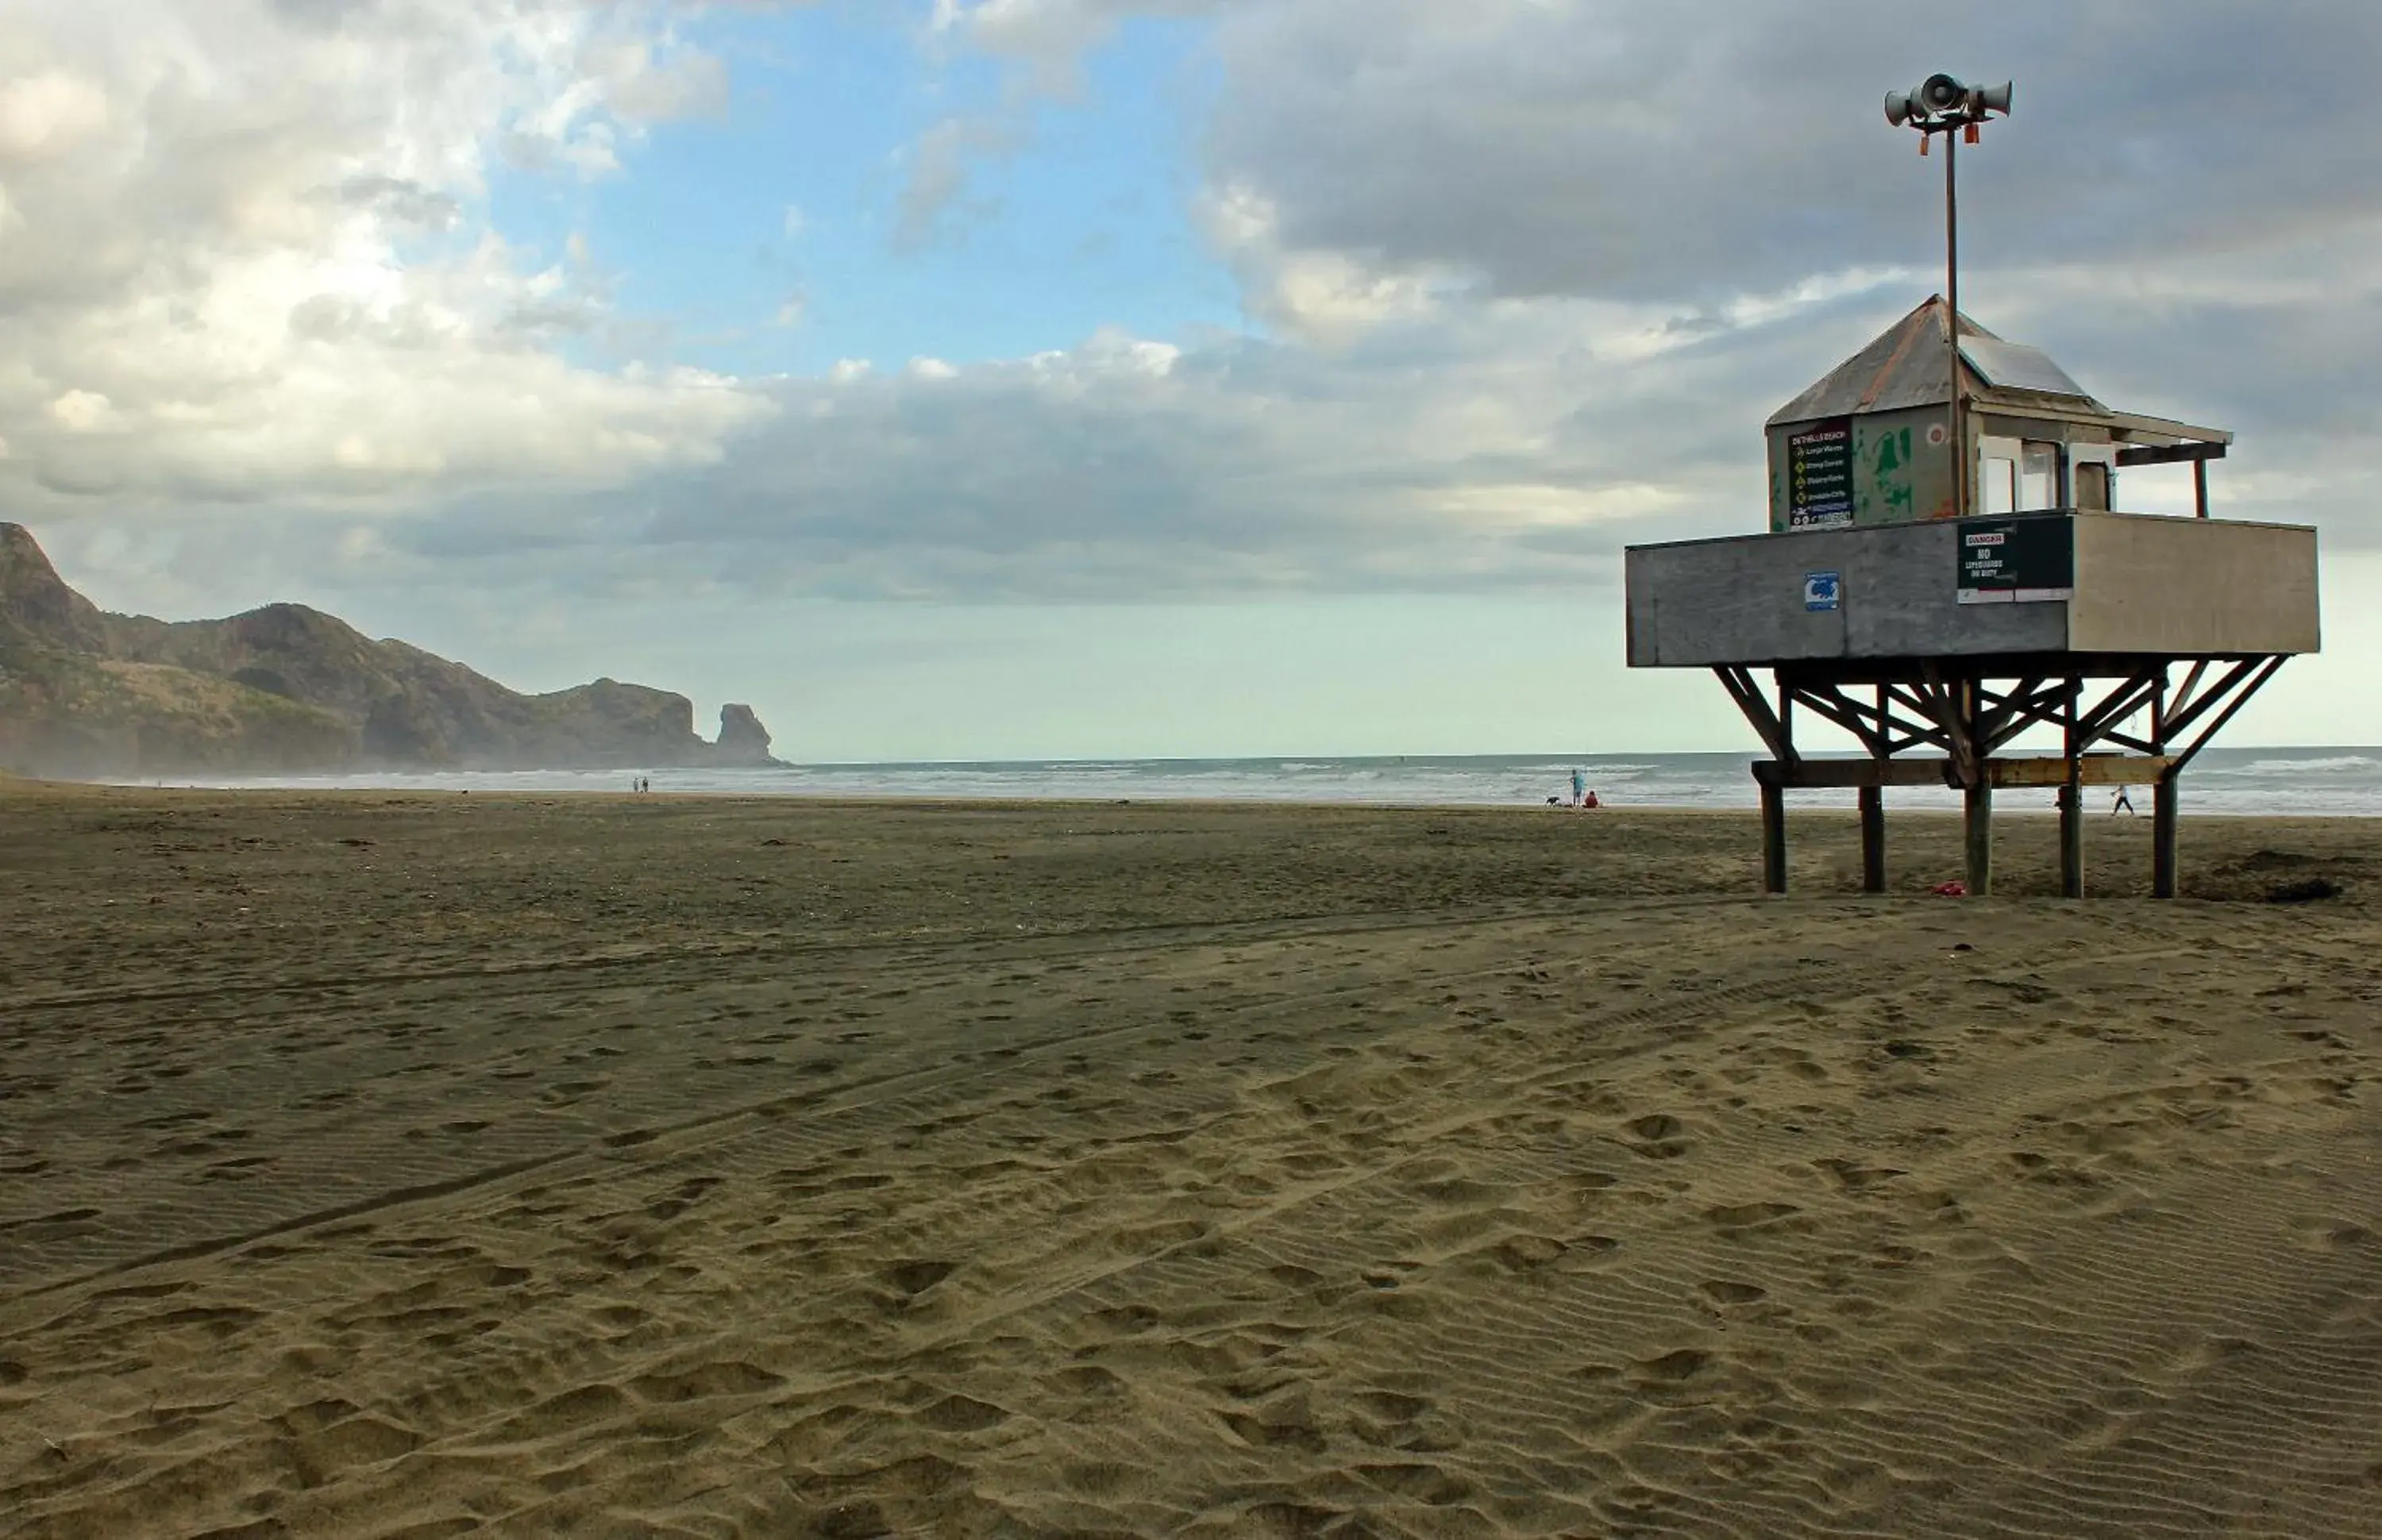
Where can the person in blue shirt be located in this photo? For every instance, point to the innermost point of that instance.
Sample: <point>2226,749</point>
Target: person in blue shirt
<point>1579,787</point>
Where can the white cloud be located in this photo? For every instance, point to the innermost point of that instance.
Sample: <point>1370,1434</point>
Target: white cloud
<point>244,257</point>
<point>1516,303</point>
<point>938,165</point>
<point>1050,37</point>
<point>644,84</point>
<point>2187,239</point>
<point>1044,42</point>
<point>45,113</point>
<point>84,411</point>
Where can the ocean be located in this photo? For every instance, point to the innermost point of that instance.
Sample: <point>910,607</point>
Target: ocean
<point>2324,782</point>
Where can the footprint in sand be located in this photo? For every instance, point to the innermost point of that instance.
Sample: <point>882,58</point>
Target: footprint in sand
<point>1658,1136</point>
<point>1525,1252</point>
<point>1675,1367</point>
<point>957,1413</point>
<point>1729,1291</point>
<point>915,1277</point>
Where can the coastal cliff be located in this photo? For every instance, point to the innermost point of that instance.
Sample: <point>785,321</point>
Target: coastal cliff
<point>288,688</point>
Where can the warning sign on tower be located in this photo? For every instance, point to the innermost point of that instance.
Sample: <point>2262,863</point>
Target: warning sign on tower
<point>2022,560</point>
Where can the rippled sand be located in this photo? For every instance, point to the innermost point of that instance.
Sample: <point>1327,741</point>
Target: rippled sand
<point>383,1166</point>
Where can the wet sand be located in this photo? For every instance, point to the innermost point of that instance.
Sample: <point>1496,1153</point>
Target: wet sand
<point>382,1165</point>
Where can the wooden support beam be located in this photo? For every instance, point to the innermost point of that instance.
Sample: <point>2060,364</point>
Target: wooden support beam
<point>2163,822</point>
<point>1814,775</point>
<point>2091,770</point>
<point>2003,717</point>
<point>2071,798</point>
<point>2180,715</point>
<point>1975,752</point>
<point>1915,673</point>
<point>1839,773</point>
<point>1979,841</point>
<point>1952,707</point>
<point>2072,839</point>
<point>1873,828</point>
<point>2126,699</point>
<point>2170,704</point>
<point>2169,454</point>
<point>1773,837</point>
<point>2163,789</point>
<point>2250,684</point>
<point>1845,714</point>
<point>1944,700</point>
<point>1741,688</point>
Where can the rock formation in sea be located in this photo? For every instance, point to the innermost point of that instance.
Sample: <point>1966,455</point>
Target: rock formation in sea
<point>287,688</point>
<point>743,741</point>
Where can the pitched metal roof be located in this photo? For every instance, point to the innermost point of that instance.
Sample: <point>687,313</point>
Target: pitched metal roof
<point>1906,366</point>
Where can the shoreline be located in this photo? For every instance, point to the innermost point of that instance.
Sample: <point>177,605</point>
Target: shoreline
<point>31,787</point>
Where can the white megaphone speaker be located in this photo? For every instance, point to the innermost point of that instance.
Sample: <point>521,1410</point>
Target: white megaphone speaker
<point>1990,99</point>
<point>1940,94</point>
<point>1897,107</point>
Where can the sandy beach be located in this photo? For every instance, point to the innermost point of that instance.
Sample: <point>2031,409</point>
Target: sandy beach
<point>394,1165</point>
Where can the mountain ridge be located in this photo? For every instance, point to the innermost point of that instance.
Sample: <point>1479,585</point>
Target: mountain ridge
<point>286,688</point>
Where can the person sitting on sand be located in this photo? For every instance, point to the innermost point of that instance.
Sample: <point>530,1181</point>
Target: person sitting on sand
<point>1589,801</point>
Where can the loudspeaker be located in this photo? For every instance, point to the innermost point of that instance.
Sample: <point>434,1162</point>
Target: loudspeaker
<point>1939,94</point>
<point>1897,109</point>
<point>1985,99</point>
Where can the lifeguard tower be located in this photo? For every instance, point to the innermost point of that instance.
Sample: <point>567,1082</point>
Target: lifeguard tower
<point>1945,567</point>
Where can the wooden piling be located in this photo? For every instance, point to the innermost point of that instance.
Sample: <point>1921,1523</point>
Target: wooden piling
<point>1980,830</point>
<point>2071,833</point>
<point>1873,828</point>
<point>1773,837</point>
<point>2163,822</point>
<point>2072,798</point>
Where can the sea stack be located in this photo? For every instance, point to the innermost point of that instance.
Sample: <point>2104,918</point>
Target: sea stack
<point>743,742</point>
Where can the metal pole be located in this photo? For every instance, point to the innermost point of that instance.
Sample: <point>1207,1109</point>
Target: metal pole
<point>1952,322</point>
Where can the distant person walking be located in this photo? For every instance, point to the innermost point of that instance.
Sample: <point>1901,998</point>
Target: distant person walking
<point>2123,803</point>
<point>1578,789</point>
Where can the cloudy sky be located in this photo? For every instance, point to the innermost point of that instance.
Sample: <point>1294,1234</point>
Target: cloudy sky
<point>984,378</point>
